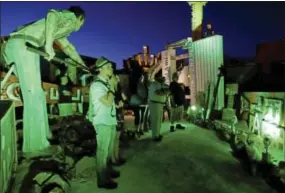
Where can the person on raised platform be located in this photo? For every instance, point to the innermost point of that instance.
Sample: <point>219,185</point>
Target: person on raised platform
<point>209,30</point>
<point>55,27</point>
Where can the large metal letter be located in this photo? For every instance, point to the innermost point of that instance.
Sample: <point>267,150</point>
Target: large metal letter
<point>10,91</point>
<point>77,97</point>
<point>53,96</point>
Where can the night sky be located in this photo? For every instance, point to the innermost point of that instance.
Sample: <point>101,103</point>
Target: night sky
<point>117,30</point>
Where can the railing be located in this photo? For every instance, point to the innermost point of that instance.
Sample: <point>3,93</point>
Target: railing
<point>8,145</point>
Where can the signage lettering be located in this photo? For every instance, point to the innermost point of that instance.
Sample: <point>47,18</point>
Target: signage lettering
<point>165,66</point>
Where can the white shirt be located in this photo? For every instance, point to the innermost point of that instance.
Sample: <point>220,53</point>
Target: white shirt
<point>152,96</point>
<point>35,33</point>
<point>100,114</point>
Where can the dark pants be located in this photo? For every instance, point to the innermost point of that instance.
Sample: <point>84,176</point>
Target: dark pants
<point>142,119</point>
<point>138,113</point>
<point>120,119</point>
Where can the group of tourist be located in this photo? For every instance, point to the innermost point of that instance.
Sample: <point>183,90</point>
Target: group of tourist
<point>105,112</point>
<point>105,100</point>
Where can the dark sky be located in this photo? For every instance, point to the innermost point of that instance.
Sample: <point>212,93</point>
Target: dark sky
<point>118,30</point>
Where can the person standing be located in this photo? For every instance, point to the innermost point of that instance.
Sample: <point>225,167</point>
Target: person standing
<point>135,102</point>
<point>209,30</point>
<point>102,114</point>
<point>177,102</point>
<point>65,96</point>
<point>55,27</point>
<point>139,110</point>
<point>116,157</point>
<point>157,92</point>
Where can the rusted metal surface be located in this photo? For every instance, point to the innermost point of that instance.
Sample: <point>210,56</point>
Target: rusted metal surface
<point>208,58</point>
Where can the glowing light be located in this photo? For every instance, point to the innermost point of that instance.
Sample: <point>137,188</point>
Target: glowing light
<point>271,118</point>
<point>270,129</point>
<point>152,55</point>
<point>193,108</point>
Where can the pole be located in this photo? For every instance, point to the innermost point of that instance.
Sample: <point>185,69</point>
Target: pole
<point>37,51</point>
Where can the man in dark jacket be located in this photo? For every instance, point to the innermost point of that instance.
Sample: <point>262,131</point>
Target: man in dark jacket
<point>209,31</point>
<point>177,101</point>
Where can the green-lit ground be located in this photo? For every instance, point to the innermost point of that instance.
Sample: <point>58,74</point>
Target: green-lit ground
<point>189,161</point>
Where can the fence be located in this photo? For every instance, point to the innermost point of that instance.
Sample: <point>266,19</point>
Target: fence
<point>8,145</point>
